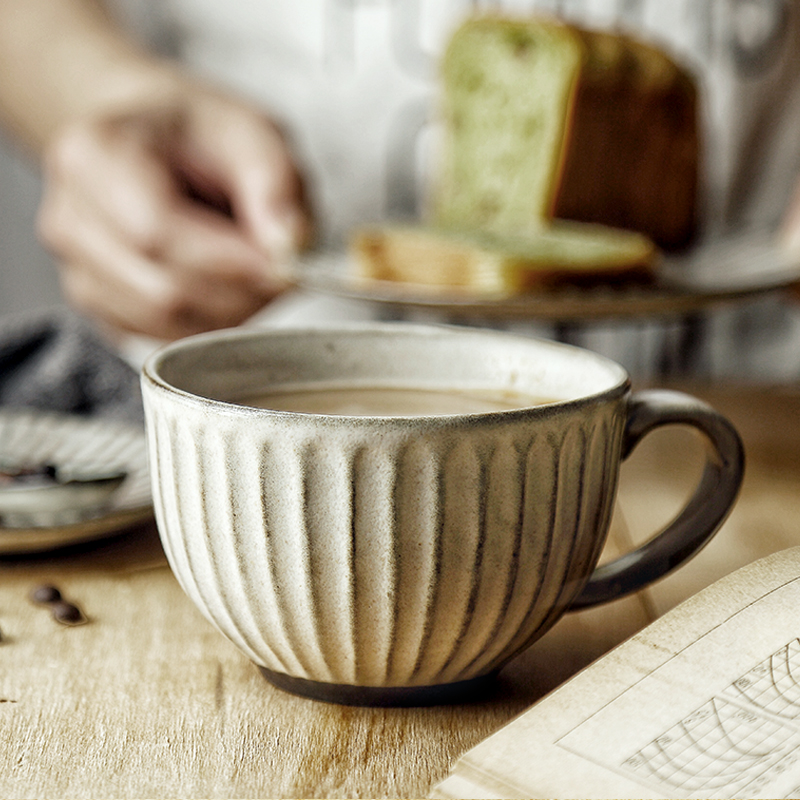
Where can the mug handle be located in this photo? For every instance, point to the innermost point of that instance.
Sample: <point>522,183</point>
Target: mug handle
<point>702,516</point>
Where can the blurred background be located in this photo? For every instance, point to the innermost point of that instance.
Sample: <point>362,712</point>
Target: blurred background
<point>755,340</point>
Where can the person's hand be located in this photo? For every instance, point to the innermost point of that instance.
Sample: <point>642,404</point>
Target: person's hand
<point>174,219</point>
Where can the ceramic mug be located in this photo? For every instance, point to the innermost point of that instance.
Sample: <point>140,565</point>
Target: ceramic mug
<point>402,556</point>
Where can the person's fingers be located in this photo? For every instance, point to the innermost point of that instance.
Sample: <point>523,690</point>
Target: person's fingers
<point>201,243</point>
<point>109,165</point>
<point>161,320</point>
<point>114,167</point>
<point>175,311</point>
<point>245,155</point>
<point>171,221</point>
<point>102,275</point>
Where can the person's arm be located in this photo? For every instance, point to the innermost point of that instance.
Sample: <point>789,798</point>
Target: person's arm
<point>169,204</point>
<point>65,59</point>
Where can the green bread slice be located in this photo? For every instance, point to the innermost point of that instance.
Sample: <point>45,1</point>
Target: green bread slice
<point>487,265</point>
<point>509,89</point>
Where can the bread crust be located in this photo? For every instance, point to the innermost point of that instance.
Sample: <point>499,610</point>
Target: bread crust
<point>632,145</point>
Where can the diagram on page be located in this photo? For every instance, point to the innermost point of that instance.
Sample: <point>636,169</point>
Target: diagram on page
<point>740,740</point>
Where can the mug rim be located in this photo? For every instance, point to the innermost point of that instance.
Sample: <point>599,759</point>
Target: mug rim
<point>151,369</point>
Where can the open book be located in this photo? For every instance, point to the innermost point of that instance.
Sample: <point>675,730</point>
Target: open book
<point>704,702</point>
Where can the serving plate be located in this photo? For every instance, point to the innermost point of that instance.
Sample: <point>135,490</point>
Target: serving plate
<point>77,445</point>
<point>725,270</point>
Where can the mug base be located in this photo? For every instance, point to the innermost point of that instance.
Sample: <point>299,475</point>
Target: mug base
<point>468,691</point>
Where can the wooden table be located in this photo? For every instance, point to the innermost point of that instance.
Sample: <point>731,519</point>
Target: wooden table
<point>148,700</point>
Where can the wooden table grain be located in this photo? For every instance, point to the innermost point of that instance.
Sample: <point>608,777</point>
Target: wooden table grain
<point>147,700</point>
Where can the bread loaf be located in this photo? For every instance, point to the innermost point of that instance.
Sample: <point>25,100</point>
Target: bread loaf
<point>494,266</point>
<point>543,119</point>
<point>542,123</point>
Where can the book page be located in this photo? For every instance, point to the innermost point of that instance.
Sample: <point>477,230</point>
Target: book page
<point>703,703</point>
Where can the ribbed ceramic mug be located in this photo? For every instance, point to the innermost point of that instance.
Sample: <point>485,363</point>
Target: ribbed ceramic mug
<point>404,559</point>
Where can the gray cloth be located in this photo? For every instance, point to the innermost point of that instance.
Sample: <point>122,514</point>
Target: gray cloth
<point>56,361</point>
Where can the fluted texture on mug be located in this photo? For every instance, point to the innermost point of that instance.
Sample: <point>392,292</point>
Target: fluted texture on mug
<point>400,559</point>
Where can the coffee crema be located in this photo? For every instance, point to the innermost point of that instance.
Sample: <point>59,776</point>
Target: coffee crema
<point>367,401</point>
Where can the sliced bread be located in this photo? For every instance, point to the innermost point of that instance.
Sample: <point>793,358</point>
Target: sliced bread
<point>493,266</point>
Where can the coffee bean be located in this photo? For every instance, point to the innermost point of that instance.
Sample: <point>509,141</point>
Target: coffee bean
<point>63,611</point>
<point>67,613</point>
<point>46,594</point>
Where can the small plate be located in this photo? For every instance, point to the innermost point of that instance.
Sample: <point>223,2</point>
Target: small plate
<point>729,269</point>
<point>77,445</point>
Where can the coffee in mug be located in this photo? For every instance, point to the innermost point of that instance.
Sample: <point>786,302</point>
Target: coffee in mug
<point>377,401</point>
